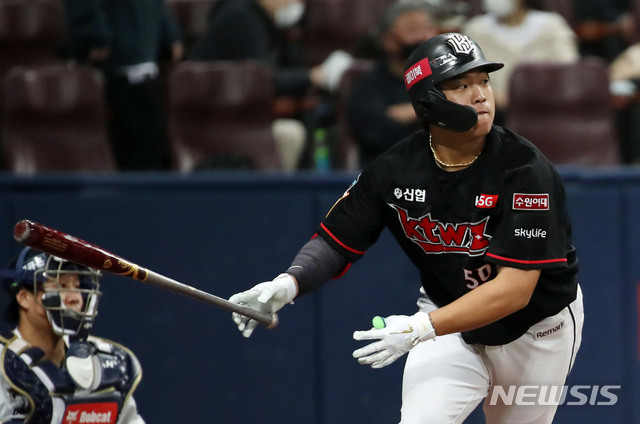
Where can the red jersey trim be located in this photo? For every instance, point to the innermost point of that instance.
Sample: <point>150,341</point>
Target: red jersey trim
<point>346,268</point>
<point>344,271</point>
<point>339,242</point>
<point>544,261</point>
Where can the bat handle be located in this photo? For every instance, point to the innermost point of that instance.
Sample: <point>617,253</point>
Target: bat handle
<point>269,320</point>
<point>274,321</point>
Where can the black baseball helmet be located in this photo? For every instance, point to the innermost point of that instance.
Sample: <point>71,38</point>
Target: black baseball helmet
<point>438,59</point>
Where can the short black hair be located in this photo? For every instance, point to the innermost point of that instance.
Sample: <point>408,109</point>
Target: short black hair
<point>11,314</point>
<point>12,280</point>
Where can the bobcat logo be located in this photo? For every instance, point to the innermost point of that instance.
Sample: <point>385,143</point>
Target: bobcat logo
<point>72,416</point>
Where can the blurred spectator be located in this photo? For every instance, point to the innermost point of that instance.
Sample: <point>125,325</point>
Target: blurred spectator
<point>446,15</point>
<point>513,32</point>
<point>605,27</point>
<point>125,40</point>
<point>255,30</point>
<point>625,84</point>
<point>379,111</point>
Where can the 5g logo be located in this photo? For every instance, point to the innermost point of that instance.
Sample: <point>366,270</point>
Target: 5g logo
<point>486,201</point>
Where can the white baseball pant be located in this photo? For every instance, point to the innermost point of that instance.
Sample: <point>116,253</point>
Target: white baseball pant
<point>445,379</point>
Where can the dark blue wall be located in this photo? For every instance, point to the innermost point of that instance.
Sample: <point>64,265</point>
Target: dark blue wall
<point>226,232</point>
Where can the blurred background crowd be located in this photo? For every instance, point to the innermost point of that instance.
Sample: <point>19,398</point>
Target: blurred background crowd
<point>294,85</point>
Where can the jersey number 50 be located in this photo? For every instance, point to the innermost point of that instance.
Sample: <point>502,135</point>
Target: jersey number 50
<point>477,276</point>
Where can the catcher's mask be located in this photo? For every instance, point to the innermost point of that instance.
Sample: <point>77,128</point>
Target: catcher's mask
<point>68,292</point>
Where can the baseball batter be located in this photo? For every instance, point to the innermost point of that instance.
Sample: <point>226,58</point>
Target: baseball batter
<point>481,212</point>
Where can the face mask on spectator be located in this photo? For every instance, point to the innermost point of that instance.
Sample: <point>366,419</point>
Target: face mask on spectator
<point>499,8</point>
<point>289,15</point>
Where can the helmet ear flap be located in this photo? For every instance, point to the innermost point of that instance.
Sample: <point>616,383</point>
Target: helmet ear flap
<point>423,110</point>
<point>450,115</point>
<point>444,113</point>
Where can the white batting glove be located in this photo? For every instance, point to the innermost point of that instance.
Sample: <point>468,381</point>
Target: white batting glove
<point>400,334</point>
<point>269,296</point>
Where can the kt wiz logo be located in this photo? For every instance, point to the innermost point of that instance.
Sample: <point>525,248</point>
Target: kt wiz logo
<point>435,237</point>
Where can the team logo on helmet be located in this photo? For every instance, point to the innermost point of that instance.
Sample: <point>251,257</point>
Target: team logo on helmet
<point>460,44</point>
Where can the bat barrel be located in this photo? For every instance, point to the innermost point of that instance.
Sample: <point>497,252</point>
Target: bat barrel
<point>73,249</point>
<point>22,230</point>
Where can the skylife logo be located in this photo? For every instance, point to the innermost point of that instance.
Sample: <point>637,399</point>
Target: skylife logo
<point>576,395</point>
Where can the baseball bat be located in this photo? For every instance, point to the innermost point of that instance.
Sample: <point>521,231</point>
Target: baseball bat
<point>81,252</point>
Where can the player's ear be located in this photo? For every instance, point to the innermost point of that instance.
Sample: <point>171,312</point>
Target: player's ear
<point>23,296</point>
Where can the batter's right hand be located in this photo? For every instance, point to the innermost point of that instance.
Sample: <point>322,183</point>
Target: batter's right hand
<point>269,297</point>
<point>400,334</point>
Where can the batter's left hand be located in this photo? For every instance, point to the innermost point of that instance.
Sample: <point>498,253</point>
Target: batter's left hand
<point>269,296</point>
<point>400,334</point>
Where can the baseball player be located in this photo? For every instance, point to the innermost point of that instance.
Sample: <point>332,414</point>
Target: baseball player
<point>53,371</point>
<point>481,212</point>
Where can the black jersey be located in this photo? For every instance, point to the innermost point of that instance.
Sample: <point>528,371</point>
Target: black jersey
<point>507,208</point>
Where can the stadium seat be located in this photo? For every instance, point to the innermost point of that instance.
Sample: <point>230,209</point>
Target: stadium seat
<point>220,116</point>
<point>30,33</point>
<point>635,13</point>
<point>566,110</point>
<point>54,121</point>
<point>338,25</point>
<point>346,152</point>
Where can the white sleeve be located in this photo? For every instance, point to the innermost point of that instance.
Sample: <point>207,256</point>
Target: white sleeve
<point>6,407</point>
<point>129,414</point>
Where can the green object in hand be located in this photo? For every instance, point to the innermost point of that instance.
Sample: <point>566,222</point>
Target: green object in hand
<point>378,322</point>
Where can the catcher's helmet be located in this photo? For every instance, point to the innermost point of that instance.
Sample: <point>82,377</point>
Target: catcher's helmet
<point>39,271</point>
<point>21,271</point>
<point>438,59</point>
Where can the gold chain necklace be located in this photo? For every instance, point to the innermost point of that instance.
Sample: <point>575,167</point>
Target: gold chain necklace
<point>450,165</point>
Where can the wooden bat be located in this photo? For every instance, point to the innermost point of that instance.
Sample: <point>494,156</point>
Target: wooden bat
<point>81,252</point>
